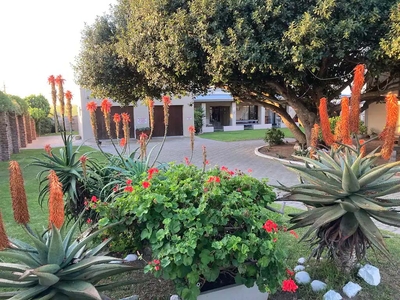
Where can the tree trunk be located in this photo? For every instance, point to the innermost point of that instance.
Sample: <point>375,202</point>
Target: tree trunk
<point>292,126</point>
<point>346,260</point>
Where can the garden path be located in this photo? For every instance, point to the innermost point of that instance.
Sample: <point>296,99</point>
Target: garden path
<point>234,155</point>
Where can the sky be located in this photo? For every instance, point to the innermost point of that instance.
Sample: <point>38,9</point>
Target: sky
<point>39,38</point>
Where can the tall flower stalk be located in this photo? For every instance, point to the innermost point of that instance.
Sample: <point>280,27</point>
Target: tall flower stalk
<point>324,118</point>
<point>143,145</point>
<point>166,103</point>
<point>60,84</point>
<point>52,82</point>
<point>314,139</point>
<point>192,131</point>
<point>56,201</point>
<point>117,122</point>
<point>204,158</point>
<point>4,243</point>
<point>18,194</point>
<point>91,107</point>
<point>150,105</point>
<point>68,96</point>
<point>358,84</point>
<point>388,133</point>
<point>344,122</point>
<point>106,109</point>
<point>125,127</point>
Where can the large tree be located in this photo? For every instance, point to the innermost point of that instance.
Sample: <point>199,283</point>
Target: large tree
<point>270,52</point>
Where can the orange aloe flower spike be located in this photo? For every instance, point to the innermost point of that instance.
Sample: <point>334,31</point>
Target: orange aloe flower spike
<point>18,194</point>
<point>324,118</point>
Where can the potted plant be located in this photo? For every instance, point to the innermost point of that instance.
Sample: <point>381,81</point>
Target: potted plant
<point>205,228</point>
<point>141,130</point>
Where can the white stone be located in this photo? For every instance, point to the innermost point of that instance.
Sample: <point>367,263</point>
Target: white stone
<point>332,295</point>
<point>131,257</point>
<point>318,286</point>
<point>301,260</point>
<point>351,289</point>
<point>299,268</point>
<point>174,297</point>
<point>116,262</point>
<point>370,274</point>
<point>302,277</point>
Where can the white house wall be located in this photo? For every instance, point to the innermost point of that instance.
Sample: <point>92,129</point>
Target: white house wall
<point>375,118</point>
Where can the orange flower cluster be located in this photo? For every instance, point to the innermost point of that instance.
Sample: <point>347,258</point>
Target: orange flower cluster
<point>68,96</point>
<point>166,103</point>
<point>106,109</point>
<point>56,201</point>
<point>325,127</point>
<point>18,194</point>
<point>47,148</point>
<point>59,82</point>
<point>358,84</point>
<point>314,139</point>
<point>117,121</point>
<point>343,134</point>
<point>388,133</point>
<point>4,243</point>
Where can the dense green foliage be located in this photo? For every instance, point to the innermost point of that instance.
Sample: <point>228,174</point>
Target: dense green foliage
<point>6,104</point>
<point>199,224</point>
<point>198,119</point>
<point>274,136</point>
<point>274,53</point>
<point>39,109</point>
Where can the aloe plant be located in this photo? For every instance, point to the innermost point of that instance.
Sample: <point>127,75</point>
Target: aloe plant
<point>56,267</point>
<point>346,193</point>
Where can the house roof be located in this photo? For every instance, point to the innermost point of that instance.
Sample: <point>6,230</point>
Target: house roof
<point>215,95</point>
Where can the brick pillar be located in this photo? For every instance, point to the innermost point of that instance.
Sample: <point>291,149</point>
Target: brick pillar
<point>5,137</point>
<point>33,128</point>
<point>22,132</point>
<point>14,130</point>
<point>28,129</point>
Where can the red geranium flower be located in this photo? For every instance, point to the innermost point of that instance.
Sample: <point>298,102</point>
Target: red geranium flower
<point>128,189</point>
<point>94,199</point>
<point>270,226</point>
<point>157,268</point>
<point>151,172</point>
<point>289,286</point>
<point>187,160</point>
<point>91,106</point>
<point>89,221</point>
<point>106,106</point>
<point>129,182</point>
<point>146,184</point>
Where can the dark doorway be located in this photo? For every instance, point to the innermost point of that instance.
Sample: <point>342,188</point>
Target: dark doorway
<point>101,125</point>
<point>175,124</point>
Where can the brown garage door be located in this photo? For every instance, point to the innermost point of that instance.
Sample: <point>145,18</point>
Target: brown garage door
<point>101,125</point>
<point>175,127</point>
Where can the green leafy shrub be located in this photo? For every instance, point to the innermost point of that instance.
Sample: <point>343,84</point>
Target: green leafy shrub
<point>333,121</point>
<point>199,224</point>
<point>198,119</point>
<point>274,136</point>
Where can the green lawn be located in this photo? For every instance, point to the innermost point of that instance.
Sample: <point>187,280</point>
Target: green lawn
<point>241,135</point>
<point>37,214</point>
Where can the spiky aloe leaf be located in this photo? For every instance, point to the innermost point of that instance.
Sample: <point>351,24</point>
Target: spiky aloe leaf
<point>113,285</point>
<point>13,267</point>
<point>98,248</point>
<point>7,295</point>
<point>348,205</point>
<point>51,294</point>
<point>333,214</point>
<point>98,272</point>
<point>349,180</point>
<point>46,279</point>
<point>309,199</point>
<point>382,186</point>
<point>308,217</point>
<point>40,246</point>
<point>386,192</point>
<point>388,217</point>
<point>21,257</point>
<point>78,290</point>
<point>56,252</point>
<point>328,160</point>
<point>364,203</point>
<point>86,263</point>
<point>348,225</point>
<point>315,176</point>
<point>376,173</point>
<point>29,293</point>
<point>321,166</point>
<point>18,284</point>
<point>49,268</point>
<point>370,231</point>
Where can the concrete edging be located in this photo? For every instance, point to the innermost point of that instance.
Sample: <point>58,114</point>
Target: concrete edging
<point>258,153</point>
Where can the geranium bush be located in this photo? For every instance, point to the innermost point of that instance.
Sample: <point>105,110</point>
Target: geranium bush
<point>199,224</point>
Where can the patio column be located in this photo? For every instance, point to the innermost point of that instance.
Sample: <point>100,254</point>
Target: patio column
<point>233,113</point>
<point>261,115</point>
<point>204,108</point>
